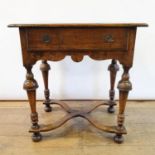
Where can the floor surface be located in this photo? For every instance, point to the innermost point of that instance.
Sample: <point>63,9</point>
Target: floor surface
<point>77,136</point>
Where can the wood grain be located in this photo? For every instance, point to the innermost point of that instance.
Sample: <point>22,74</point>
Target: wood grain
<point>81,25</point>
<point>98,41</point>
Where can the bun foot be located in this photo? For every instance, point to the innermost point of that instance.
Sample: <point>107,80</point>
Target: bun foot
<point>118,138</point>
<point>36,137</point>
<point>48,108</point>
<point>111,109</point>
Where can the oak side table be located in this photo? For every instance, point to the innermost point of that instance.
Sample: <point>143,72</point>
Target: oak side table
<point>100,42</point>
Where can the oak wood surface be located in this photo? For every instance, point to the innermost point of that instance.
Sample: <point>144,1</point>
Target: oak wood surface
<point>113,45</point>
<point>77,39</point>
<point>99,41</point>
<point>81,25</point>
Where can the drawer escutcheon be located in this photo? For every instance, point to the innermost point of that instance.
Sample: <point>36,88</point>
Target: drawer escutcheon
<point>46,38</point>
<point>108,38</point>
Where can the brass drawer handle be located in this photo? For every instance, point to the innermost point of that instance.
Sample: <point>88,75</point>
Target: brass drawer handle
<point>108,38</point>
<point>46,39</point>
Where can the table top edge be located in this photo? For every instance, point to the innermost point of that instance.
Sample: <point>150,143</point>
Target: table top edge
<point>63,25</point>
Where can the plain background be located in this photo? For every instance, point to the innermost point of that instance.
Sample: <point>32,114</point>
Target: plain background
<point>89,78</point>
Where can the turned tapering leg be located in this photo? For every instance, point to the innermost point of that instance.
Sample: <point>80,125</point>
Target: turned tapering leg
<point>45,67</point>
<point>124,87</point>
<point>113,68</point>
<point>30,85</point>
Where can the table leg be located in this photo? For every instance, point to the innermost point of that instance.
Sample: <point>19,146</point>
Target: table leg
<point>30,85</point>
<point>113,68</point>
<point>124,87</point>
<point>45,67</point>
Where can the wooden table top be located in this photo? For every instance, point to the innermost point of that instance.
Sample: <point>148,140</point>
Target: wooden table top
<point>81,25</point>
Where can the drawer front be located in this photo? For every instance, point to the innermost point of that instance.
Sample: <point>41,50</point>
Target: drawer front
<point>42,39</point>
<point>96,39</point>
<point>77,39</point>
